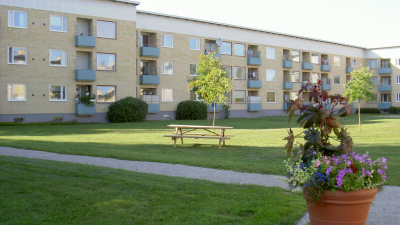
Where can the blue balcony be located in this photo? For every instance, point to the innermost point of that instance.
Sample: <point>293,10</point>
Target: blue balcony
<point>85,41</point>
<point>217,107</point>
<point>84,110</point>
<point>327,106</point>
<point>150,79</point>
<point>349,69</point>
<point>326,68</point>
<point>287,64</point>
<point>326,87</point>
<point>85,75</point>
<point>384,105</point>
<point>218,56</point>
<point>254,61</point>
<point>307,66</point>
<point>149,52</point>
<point>153,107</point>
<point>385,88</point>
<point>254,84</point>
<point>285,106</point>
<point>253,107</point>
<point>287,85</point>
<point>385,70</point>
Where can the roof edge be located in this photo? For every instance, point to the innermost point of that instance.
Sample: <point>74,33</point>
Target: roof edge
<point>136,3</point>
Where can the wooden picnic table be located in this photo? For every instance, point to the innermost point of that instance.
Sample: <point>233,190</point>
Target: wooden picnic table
<point>195,131</point>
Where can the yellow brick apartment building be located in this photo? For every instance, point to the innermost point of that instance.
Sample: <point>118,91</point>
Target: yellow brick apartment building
<point>54,52</point>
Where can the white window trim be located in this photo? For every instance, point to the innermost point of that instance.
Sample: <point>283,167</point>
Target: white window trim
<point>318,60</point>
<point>398,97</point>
<point>104,21</point>
<point>397,79</point>
<point>62,24</point>
<point>163,68</point>
<point>162,94</point>
<point>334,61</point>
<point>189,69</point>
<point>163,41</point>
<point>266,75</point>
<point>66,94</point>
<point>12,25</point>
<point>266,53</point>
<point>339,79</point>
<point>352,63</point>
<point>12,91</point>
<point>197,44</point>
<point>8,56</point>
<point>63,61</point>
<point>266,100</point>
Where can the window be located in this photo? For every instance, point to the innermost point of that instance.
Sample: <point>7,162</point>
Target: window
<point>385,80</point>
<point>385,98</point>
<point>398,97</point>
<point>336,79</point>
<point>106,61</point>
<point>354,62</point>
<point>374,80</point>
<point>105,94</point>
<point>336,60</point>
<point>375,98</point>
<point>295,56</point>
<point>57,93</point>
<point>168,41</point>
<point>240,96</point>
<point>315,58</point>
<point>17,19</point>
<point>193,96</point>
<point>271,53</point>
<point>167,94</point>
<point>193,69</point>
<point>194,43</point>
<point>271,75</point>
<point>106,29</point>
<point>315,77</point>
<point>58,23</point>
<point>239,50</point>
<point>228,96</point>
<point>397,79</point>
<point>167,67</point>
<point>17,55</point>
<point>58,58</point>
<point>373,63</point>
<point>228,70</point>
<point>226,48</point>
<point>295,76</point>
<point>16,92</point>
<point>271,98</point>
<point>240,73</point>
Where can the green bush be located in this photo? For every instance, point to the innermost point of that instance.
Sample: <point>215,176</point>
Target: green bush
<point>393,110</point>
<point>225,109</point>
<point>370,110</point>
<point>191,110</point>
<point>128,109</point>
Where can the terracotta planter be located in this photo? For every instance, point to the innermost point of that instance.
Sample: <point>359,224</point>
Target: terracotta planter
<point>342,207</point>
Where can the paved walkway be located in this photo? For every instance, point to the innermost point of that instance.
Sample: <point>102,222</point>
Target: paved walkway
<point>384,209</point>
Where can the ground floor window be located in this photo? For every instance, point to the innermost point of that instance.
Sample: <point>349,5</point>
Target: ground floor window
<point>106,94</point>
<point>228,96</point>
<point>398,97</point>
<point>58,93</point>
<point>271,97</point>
<point>336,79</point>
<point>167,94</point>
<point>16,92</point>
<point>385,98</point>
<point>240,96</point>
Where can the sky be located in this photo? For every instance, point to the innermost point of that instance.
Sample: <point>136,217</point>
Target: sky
<point>363,23</point>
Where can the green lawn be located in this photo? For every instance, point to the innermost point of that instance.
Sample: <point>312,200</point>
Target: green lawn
<point>36,191</point>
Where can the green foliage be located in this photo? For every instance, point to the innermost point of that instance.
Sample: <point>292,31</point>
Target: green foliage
<point>225,109</point>
<point>191,110</point>
<point>369,111</point>
<point>360,86</point>
<point>393,110</point>
<point>128,109</point>
<point>87,100</point>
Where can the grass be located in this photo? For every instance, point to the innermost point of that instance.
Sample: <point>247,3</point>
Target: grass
<point>36,191</point>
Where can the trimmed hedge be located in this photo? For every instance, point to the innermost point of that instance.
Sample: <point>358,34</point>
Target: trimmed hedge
<point>191,110</point>
<point>393,110</point>
<point>128,109</point>
<point>369,110</point>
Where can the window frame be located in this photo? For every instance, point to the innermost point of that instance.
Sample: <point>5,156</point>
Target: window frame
<point>97,61</point>
<point>61,88</point>
<point>374,78</point>
<point>387,98</point>
<point>291,76</point>
<point>244,98</point>
<point>12,98</point>
<point>244,73</point>
<point>372,60</point>
<point>190,69</point>
<point>244,49</point>
<point>397,79</point>
<point>12,56</point>
<point>274,96</point>
<point>222,48</point>
<point>230,70</point>
<point>291,53</point>
<point>340,79</point>
<point>164,42</point>
<point>163,67</point>
<point>336,60</point>
<point>163,94</point>
<point>354,63</point>
<point>197,43</point>
<point>105,102</point>
<point>266,75</point>
<point>398,97</point>
<point>102,33</point>
<point>12,22</point>
<point>230,96</point>
<point>268,50</point>
<point>313,56</point>
<point>63,59</point>
<point>64,23</point>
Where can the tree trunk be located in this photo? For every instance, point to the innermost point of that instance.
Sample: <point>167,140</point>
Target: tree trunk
<point>359,114</point>
<point>214,115</point>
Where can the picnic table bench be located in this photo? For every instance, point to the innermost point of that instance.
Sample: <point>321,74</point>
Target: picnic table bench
<point>192,131</point>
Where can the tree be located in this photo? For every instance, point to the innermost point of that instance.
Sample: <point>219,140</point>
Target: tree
<point>359,88</point>
<point>212,82</point>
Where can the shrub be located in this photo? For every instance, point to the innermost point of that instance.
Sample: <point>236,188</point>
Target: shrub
<point>128,109</point>
<point>370,110</point>
<point>225,109</point>
<point>393,110</point>
<point>191,110</point>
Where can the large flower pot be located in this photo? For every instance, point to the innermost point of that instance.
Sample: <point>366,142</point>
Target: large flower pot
<point>342,207</point>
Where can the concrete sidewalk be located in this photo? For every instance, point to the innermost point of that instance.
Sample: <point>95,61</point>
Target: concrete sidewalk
<point>384,209</point>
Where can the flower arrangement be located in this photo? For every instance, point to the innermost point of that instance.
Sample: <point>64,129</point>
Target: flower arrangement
<point>318,165</point>
<point>86,99</point>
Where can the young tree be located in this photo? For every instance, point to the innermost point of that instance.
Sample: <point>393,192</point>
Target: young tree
<point>212,82</point>
<point>359,88</point>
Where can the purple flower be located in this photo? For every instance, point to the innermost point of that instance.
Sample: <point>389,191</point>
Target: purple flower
<point>366,172</point>
<point>336,160</point>
<point>384,160</point>
<point>328,170</point>
<point>339,178</point>
<point>380,172</point>
<point>344,157</point>
<point>314,153</point>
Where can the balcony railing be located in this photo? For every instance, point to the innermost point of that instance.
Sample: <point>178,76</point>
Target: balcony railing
<point>326,84</point>
<point>349,69</point>
<point>216,55</point>
<point>149,51</point>
<point>85,41</point>
<point>287,85</point>
<point>287,64</point>
<point>325,67</point>
<point>253,58</point>
<point>384,105</point>
<point>85,75</point>
<point>217,107</point>
<point>150,79</point>
<point>307,66</point>
<point>385,88</point>
<point>153,101</point>
<point>84,110</point>
<point>386,70</point>
<point>254,84</point>
<point>254,103</point>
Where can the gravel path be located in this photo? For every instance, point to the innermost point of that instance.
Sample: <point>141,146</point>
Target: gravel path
<point>384,210</point>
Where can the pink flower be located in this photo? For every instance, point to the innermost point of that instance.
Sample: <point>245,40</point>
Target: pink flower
<point>317,163</point>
